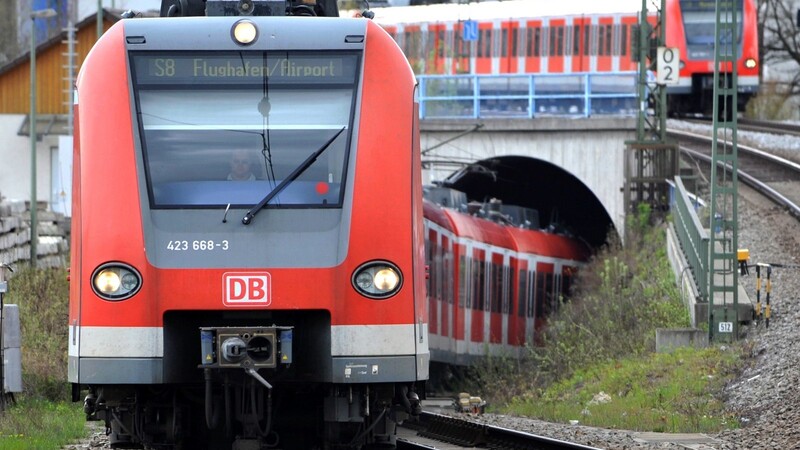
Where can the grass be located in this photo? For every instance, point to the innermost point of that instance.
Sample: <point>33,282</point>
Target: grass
<point>659,392</point>
<point>43,417</point>
<point>37,424</point>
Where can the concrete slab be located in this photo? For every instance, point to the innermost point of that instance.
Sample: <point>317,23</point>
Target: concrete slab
<point>695,441</point>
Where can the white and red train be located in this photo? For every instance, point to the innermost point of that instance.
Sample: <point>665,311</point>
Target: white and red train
<point>493,276</point>
<point>286,310</point>
<point>536,37</point>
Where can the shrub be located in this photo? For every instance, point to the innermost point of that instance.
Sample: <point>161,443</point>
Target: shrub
<point>43,299</point>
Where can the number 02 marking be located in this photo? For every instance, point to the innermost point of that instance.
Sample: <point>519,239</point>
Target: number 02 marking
<point>668,56</point>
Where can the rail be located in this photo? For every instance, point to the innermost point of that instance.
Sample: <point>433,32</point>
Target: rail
<point>692,236</point>
<point>527,96</point>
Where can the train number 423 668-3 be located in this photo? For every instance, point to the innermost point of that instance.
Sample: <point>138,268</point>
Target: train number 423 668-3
<point>199,245</point>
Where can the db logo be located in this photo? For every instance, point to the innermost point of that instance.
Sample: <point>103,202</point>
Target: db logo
<point>245,289</point>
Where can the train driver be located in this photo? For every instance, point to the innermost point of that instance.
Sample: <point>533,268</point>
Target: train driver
<point>241,166</point>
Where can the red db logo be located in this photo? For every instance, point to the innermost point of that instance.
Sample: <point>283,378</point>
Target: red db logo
<point>246,289</point>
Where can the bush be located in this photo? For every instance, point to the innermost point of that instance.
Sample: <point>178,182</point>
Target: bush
<point>43,299</point>
<point>619,298</point>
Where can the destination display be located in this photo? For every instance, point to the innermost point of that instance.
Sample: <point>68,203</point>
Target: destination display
<point>160,68</point>
<point>710,5</point>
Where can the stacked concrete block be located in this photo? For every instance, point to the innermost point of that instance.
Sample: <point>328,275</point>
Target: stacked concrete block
<point>15,235</point>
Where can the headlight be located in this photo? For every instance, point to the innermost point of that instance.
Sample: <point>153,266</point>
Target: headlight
<point>750,63</point>
<point>244,32</point>
<point>116,281</point>
<point>377,279</point>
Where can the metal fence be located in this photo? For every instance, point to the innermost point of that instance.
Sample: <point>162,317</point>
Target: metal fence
<point>693,237</point>
<point>527,96</point>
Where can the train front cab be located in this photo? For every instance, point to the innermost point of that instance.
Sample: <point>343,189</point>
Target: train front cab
<point>222,328</point>
<point>690,29</point>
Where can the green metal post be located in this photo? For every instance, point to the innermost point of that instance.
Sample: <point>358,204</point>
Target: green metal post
<point>650,159</point>
<point>723,286</point>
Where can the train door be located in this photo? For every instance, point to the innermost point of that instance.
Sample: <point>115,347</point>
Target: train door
<point>628,23</point>
<point>462,302</point>
<point>462,50</point>
<point>605,41</point>
<point>433,281</point>
<point>533,46</point>
<point>483,57</point>
<point>509,31</point>
<point>530,302</point>
<point>475,316</point>
<point>448,286</point>
<point>580,44</point>
<point>437,48</point>
<point>515,296</point>
<point>567,274</point>
<point>494,320</point>
<point>544,297</point>
<point>412,40</point>
<point>555,47</point>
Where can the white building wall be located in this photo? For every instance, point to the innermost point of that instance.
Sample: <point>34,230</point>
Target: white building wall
<point>15,161</point>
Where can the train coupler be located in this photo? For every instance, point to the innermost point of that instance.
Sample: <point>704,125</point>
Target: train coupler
<point>245,347</point>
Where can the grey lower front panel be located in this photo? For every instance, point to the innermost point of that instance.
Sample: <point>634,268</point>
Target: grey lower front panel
<point>379,369</point>
<point>115,370</point>
<point>386,369</point>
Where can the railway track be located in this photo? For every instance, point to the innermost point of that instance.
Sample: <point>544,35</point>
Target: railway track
<point>758,126</point>
<point>447,432</point>
<point>774,177</point>
<point>764,126</point>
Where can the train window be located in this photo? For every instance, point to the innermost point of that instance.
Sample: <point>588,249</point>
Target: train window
<point>552,46</point>
<point>533,292</point>
<point>209,119</point>
<point>537,41</point>
<point>699,19</point>
<point>560,41</point>
<point>440,44</point>
<point>609,33</point>
<point>504,43</point>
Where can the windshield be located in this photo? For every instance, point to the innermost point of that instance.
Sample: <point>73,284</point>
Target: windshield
<point>699,19</point>
<point>225,128</point>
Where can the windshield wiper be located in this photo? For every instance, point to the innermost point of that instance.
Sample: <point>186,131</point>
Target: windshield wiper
<point>292,176</point>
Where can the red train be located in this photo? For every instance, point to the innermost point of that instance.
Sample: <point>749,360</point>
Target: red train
<point>207,312</point>
<point>494,276</point>
<point>524,37</point>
